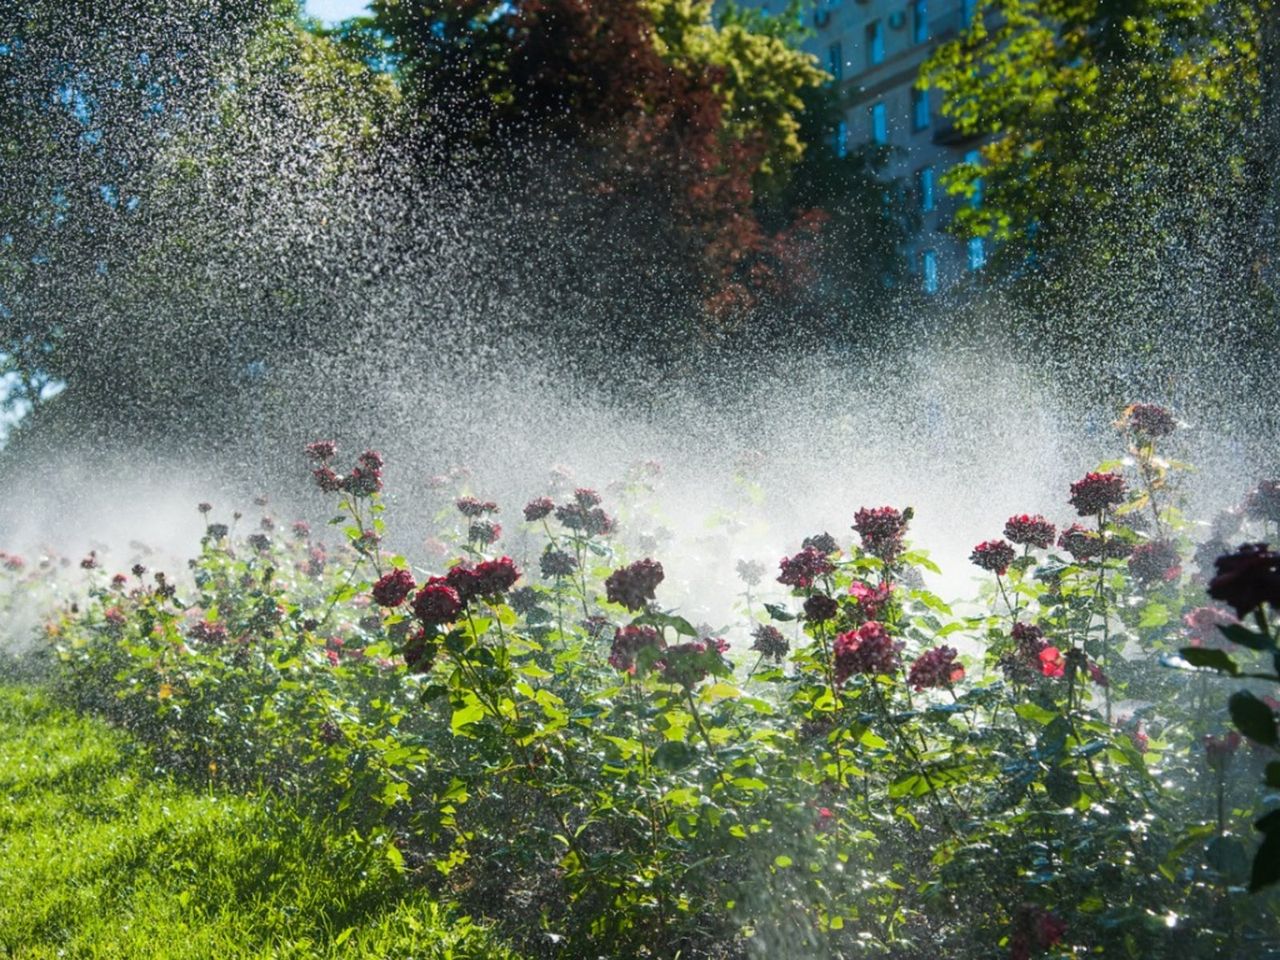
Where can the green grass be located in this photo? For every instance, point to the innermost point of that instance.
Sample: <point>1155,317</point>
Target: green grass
<point>97,859</point>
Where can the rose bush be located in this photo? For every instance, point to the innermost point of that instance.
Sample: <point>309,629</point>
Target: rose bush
<point>869,772</point>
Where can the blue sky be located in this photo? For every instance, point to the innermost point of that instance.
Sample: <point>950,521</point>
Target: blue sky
<point>335,9</point>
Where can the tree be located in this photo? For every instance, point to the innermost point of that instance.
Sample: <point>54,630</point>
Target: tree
<point>658,101</point>
<point>1114,131</point>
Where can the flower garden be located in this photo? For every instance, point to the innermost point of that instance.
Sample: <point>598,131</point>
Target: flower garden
<point>1075,763</point>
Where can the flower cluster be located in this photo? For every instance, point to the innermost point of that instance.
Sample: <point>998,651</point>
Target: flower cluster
<point>474,507</point>
<point>392,588</point>
<point>627,644</point>
<point>591,520</point>
<point>872,601</point>
<point>1156,561</point>
<point>1026,530</point>
<point>823,542</point>
<point>803,568</point>
<point>208,632</point>
<point>364,480</point>
<point>1035,930</point>
<point>437,602</point>
<point>688,664</point>
<point>770,642</point>
<point>750,572</point>
<point>819,608</point>
<point>994,556</point>
<point>1263,501</point>
<point>1147,420</point>
<point>484,531</point>
<point>869,650</point>
<point>1202,625</point>
<point>538,509</point>
<point>489,578</point>
<point>1247,578</point>
<point>635,585</point>
<point>1032,656</point>
<point>936,668</point>
<point>557,563</point>
<point>882,530</point>
<point>1097,492</point>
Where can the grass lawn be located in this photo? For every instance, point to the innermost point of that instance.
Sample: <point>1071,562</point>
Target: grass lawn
<point>97,859</point>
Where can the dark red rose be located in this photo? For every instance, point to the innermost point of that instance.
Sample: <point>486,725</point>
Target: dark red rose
<point>1154,562</point>
<point>301,529</point>
<point>392,588</point>
<point>628,642</point>
<point>437,602</point>
<point>484,531</point>
<point>802,569</point>
<point>819,608</point>
<point>882,530</point>
<point>823,542</point>
<point>1082,544</point>
<point>420,651</point>
<point>473,507</point>
<point>1247,578</point>
<point>993,555</point>
<point>538,509</point>
<point>871,600</point>
<point>688,664</point>
<point>935,668</point>
<point>327,480</point>
<point>363,482</point>
<point>1148,420</point>
<point>322,450</point>
<point>635,585</point>
<point>1026,530</point>
<point>869,650</point>
<point>586,498</point>
<point>492,578</point>
<point>1097,492</point>
<point>770,642</point>
<point>557,563</point>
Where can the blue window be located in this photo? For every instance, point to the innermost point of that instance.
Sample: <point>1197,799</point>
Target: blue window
<point>842,139</point>
<point>920,21</point>
<point>977,253</point>
<point>924,187</point>
<point>919,109</point>
<point>929,271</point>
<point>879,124</point>
<point>835,62</point>
<point>875,42</point>
<point>975,158</point>
<point>966,11</point>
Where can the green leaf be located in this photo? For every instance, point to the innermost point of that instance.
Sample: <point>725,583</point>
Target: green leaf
<point>1213,659</point>
<point>779,613</point>
<point>782,861</point>
<point>1273,774</point>
<point>674,755</point>
<point>1253,718</point>
<point>1154,615</point>
<point>464,716</point>
<point>1239,633</point>
<point>679,624</point>
<point>395,856</point>
<point>1266,862</point>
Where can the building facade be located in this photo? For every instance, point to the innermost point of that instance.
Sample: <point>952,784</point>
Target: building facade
<point>873,49</point>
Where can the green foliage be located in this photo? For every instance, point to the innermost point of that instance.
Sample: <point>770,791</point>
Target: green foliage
<point>1108,131</point>
<point>100,858</point>
<point>605,777</point>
